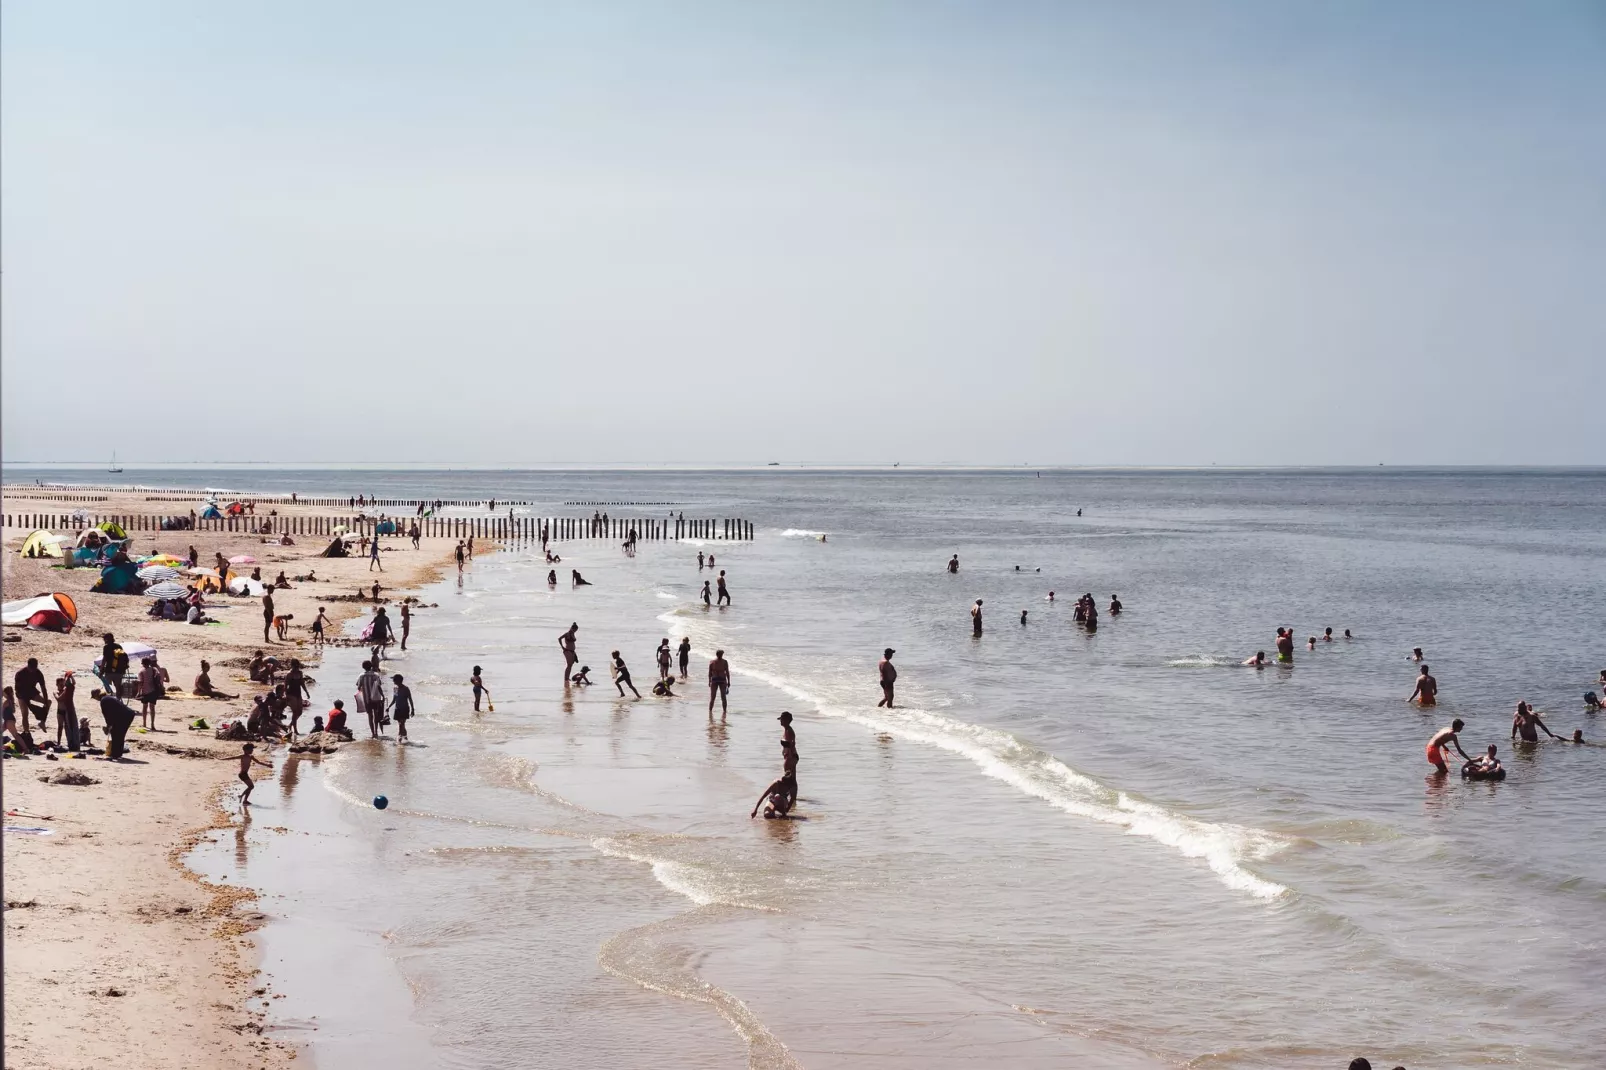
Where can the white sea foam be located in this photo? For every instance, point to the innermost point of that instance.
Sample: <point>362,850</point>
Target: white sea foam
<point>1225,848</point>
<point>802,533</point>
<point>1203,661</point>
<point>705,884</point>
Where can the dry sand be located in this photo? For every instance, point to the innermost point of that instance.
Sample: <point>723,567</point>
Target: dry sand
<point>115,952</point>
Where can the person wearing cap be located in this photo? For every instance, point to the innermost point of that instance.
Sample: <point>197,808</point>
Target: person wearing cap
<point>889,676</point>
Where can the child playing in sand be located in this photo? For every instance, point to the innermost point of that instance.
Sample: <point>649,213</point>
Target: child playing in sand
<point>318,624</point>
<point>246,758</point>
<point>281,625</point>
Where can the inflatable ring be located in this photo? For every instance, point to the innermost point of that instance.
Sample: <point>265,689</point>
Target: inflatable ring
<point>1477,774</point>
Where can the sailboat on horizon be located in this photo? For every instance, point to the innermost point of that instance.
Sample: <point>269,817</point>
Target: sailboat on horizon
<point>114,466</point>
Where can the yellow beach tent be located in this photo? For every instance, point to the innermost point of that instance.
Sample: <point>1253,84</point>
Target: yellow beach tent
<point>41,544</point>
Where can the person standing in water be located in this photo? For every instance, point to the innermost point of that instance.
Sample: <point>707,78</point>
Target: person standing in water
<point>889,677</point>
<point>1426,692</point>
<point>1285,645</point>
<point>724,595</point>
<point>975,618</point>
<point>1115,605</point>
<point>1446,737</point>
<point>684,650</point>
<point>953,563</point>
<point>246,760</point>
<point>699,560</point>
<point>664,656</point>
<point>719,684</point>
<point>1524,721</point>
<point>458,553</point>
<point>566,643</point>
<point>708,596</point>
<point>407,624</point>
<point>478,684</point>
<point>401,706</point>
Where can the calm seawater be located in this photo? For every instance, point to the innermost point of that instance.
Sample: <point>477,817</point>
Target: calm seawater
<point>1063,849</point>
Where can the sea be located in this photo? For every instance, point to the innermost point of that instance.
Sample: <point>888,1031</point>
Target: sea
<point>1060,848</point>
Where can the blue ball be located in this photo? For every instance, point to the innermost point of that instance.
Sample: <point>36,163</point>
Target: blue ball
<point>380,802</point>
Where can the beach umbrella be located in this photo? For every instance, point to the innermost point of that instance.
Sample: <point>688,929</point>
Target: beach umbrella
<point>201,572</point>
<point>242,559</point>
<point>156,573</point>
<point>164,559</point>
<point>166,590</point>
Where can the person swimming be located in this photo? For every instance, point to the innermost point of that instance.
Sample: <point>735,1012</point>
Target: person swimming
<point>1258,661</point>
<point>1416,653</point>
<point>1327,635</point>
<point>1446,737</point>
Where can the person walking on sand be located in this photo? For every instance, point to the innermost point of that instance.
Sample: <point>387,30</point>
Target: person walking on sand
<point>724,595</point>
<point>246,758</point>
<point>401,706</point>
<point>1426,692</point>
<point>719,684</point>
<point>373,554</point>
<point>975,618</point>
<point>459,555</point>
<point>478,684</point>
<point>684,650</point>
<point>318,624</point>
<point>150,692</point>
<point>621,676</point>
<point>665,656</point>
<point>566,643</point>
<point>889,676</point>
<point>1446,737</point>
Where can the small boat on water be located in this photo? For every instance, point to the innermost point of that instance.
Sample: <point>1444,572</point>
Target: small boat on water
<point>114,466</point>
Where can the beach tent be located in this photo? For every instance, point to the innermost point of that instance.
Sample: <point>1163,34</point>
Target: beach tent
<point>42,544</point>
<point>336,548</point>
<point>235,509</point>
<point>211,513</point>
<point>112,529</point>
<point>117,579</point>
<point>246,585</point>
<point>385,527</point>
<point>48,612</point>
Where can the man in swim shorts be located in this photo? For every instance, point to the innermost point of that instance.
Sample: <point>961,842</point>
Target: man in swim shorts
<point>889,676</point>
<point>1446,737</point>
<point>1285,644</point>
<point>719,684</point>
<point>953,564</point>
<point>1426,692</point>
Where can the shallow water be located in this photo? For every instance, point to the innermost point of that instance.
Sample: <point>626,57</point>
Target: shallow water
<point>1108,850</point>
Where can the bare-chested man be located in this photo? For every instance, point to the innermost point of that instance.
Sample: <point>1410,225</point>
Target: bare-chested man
<point>1524,721</point>
<point>719,684</point>
<point>975,618</point>
<point>1426,692</point>
<point>1446,737</point>
<point>889,676</point>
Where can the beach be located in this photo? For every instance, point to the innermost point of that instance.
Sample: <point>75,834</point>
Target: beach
<point>116,950</point>
<point>1059,848</point>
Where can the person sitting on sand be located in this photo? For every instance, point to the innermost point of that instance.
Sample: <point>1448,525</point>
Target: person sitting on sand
<point>203,684</point>
<point>246,759</point>
<point>582,678</point>
<point>1258,661</point>
<point>1524,721</point>
<point>281,583</point>
<point>1426,692</point>
<point>552,578</point>
<point>577,580</point>
<point>336,725</point>
<point>1446,737</point>
<point>1484,764</point>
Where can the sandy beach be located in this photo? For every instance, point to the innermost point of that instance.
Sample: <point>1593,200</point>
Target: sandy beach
<point>115,951</point>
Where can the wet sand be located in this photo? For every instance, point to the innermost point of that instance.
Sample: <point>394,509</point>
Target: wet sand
<point>117,952</point>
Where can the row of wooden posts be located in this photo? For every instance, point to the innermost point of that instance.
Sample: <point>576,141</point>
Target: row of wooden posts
<point>518,528</point>
<point>178,494</point>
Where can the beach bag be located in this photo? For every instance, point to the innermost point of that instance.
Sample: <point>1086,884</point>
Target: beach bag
<point>119,664</point>
<point>362,703</point>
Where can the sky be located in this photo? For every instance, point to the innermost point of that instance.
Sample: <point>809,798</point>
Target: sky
<point>830,232</point>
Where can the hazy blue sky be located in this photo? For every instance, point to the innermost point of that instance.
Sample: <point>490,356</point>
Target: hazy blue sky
<point>1007,232</point>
